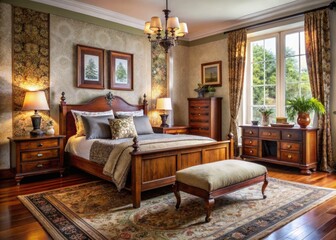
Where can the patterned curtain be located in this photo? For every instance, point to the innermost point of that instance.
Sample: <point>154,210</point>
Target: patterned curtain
<point>317,35</point>
<point>237,56</point>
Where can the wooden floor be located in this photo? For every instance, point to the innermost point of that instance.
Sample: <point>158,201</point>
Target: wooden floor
<point>16,222</point>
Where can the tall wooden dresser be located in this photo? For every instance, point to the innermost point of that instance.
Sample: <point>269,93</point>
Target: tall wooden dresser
<point>205,117</point>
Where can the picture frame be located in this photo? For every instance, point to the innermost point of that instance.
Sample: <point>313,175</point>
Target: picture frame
<point>90,67</point>
<point>212,73</point>
<point>121,71</point>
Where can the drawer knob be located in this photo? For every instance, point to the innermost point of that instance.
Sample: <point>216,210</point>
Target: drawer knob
<point>269,134</point>
<point>40,154</point>
<point>199,114</point>
<point>40,145</point>
<point>39,165</point>
<point>289,146</point>
<point>289,156</point>
<point>250,142</point>
<point>251,151</point>
<point>289,135</point>
<point>250,132</point>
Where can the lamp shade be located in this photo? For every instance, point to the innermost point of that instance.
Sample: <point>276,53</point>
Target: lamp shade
<point>35,101</point>
<point>173,23</point>
<point>155,24</point>
<point>147,29</point>
<point>163,104</point>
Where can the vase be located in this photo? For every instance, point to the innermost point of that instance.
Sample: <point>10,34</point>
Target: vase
<point>50,130</point>
<point>265,120</point>
<point>303,120</point>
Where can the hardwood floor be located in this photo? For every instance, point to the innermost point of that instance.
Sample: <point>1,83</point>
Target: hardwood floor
<point>16,222</point>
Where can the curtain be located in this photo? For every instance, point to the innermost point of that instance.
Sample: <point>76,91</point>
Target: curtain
<point>317,35</point>
<point>236,57</point>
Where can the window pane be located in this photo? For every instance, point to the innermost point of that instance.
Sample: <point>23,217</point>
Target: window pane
<point>292,44</point>
<point>258,51</point>
<point>302,43</point>
<point>258,95</point>
<point>304,69</point>
<point>305,90</point>
<point>258,73</point>
<point>270,94</point>
<point>256,114</point>
<point>292,90</point>
<point>292,69</point>
<point>270,50</point>
<point>270,72</point>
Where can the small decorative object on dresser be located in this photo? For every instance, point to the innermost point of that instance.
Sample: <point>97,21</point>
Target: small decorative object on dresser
<point>164,104</point>
<point>50,128</point>
<point>172,130</point>
<point>205,117</point>
<point>265,115</point>
<point>36,155</point>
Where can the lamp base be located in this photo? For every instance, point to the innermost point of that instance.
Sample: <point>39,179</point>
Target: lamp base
<point>164,120</point>
<point>36,121</point>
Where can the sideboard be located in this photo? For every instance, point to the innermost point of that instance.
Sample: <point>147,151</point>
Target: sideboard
<point>296,147</point>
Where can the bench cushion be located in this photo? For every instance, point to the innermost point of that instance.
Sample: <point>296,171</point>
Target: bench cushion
<point>212,176</point>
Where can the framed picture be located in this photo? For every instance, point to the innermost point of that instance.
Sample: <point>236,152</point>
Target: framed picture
<point>121,71</point>
<point>90,67</point>
<point>212,73</point>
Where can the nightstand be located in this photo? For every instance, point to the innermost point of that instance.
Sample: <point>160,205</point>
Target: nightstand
<point>172,129</point>
<point>36,155</point>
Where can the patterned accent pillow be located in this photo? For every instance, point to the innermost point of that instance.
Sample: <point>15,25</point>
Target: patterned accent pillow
<point>139,113</point>
<point>79,122</point>
<point>122,128</point>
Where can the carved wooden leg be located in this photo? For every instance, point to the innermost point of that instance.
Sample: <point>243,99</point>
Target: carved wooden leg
<point>264,186</point>
<point>177,195</point>
<point>61,173</point>
<point>306,171</point>
<point>209,203</point>
<point>18,180</point>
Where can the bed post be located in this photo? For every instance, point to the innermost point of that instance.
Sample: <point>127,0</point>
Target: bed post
<point>145,104</point>
<point>231,138</point>
<point>62,115</point>
<point>136,174</point>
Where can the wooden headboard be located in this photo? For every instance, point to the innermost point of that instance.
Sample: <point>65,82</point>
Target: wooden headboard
<point>103,103</point>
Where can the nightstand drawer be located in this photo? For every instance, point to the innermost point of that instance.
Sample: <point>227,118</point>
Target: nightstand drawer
<point>250,132</point>
<point>37,155</point>
<point>269,133</point>
<point>46,143</point>
<point>176,131</point>
<point>39,165</point>
<point>250,151</point>
<point>290,146</point>
<point>250,142</point>
<point>291,135</point>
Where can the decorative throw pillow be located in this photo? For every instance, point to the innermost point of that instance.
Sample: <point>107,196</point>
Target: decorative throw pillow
<point>130,113</point>
<point>122,128</point>
<point>78,119</point>
<point>142,125</point>
<point>97,126</point>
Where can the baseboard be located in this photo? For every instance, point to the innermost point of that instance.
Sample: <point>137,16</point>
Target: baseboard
<point>6,173</point>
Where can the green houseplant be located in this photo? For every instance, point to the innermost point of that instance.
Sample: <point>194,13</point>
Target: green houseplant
<point>265,115</point>
<point>211,90</point>
<point>302,107</point>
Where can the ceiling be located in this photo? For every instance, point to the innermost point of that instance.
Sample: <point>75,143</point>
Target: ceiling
<point>204,17</point>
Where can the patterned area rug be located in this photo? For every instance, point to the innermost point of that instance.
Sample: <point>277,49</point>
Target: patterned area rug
<point>96,210</point>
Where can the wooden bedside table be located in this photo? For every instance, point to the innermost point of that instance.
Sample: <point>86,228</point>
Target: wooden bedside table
<point>36,155</point>
<point>171,129</point>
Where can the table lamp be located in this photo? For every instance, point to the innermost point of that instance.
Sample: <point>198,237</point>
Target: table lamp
<point>165,105</point>
<point>35,101</point>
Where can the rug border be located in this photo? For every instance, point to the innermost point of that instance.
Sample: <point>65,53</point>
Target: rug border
<point>54,232</point>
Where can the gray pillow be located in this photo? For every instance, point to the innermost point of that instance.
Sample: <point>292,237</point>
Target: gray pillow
<point>97,127</point>
<point>142,125</point>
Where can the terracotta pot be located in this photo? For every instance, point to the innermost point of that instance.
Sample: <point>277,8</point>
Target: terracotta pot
<point>303,119</point>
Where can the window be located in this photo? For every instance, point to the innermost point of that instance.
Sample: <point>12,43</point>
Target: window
<point>276,71</point>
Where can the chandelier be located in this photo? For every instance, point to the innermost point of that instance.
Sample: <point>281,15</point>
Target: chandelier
<point>167,37</point>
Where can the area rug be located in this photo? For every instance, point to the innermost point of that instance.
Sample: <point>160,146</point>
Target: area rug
<point>96,210</point>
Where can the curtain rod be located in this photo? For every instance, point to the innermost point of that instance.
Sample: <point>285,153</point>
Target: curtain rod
<point>331,6</point>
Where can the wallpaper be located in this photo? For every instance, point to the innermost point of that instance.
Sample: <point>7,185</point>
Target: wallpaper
<point>30,63</point>
<point>5,83</point>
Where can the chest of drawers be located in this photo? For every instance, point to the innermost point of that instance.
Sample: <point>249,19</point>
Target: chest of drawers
<point>36,155</point>
<point>205,117</point>
<point>295,147</point>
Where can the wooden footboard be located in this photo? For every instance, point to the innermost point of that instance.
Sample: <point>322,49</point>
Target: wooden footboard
<point>154,169</point>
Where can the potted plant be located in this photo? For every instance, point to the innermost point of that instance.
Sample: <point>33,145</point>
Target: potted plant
<point>265,114</point>
<point>211,90</point>
<point>302,107</point>
<point>201,89</point>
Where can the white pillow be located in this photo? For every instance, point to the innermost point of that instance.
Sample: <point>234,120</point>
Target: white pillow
<point>138,113</point>
<point>79,122</point>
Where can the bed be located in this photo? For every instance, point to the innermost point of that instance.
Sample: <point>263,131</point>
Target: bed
<point>149,169</point>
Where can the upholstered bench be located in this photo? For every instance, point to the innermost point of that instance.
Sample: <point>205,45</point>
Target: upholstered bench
<point>212,180</point>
